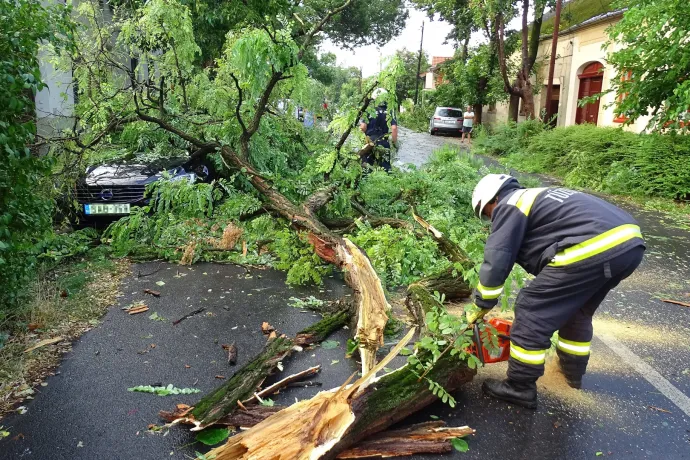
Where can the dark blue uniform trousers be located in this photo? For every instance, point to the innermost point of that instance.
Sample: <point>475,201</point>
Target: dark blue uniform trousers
<point>563,299</point>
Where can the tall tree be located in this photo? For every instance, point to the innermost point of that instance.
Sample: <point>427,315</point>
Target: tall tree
<point>520,88</point>
<point>653,63</point>
<point>405,84</point>
<point>25,212</point>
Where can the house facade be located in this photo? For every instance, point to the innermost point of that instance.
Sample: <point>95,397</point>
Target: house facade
<point>433,78</point>
<point>581,70</point>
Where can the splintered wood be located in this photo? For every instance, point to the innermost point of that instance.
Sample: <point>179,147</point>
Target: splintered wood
<point>371,301</point>
<point>307,429</point>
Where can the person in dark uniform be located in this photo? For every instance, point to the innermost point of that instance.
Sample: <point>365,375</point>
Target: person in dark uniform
<point>378,134</point>
<point>578,246</point>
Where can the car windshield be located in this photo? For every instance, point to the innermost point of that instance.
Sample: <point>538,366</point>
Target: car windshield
<point>449,113</point>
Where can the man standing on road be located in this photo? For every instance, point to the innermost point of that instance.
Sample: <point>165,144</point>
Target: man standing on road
<point>378,149</point>
<point>578,246</point>
<point>467,123</point>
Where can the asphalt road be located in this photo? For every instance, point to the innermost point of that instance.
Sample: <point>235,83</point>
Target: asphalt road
<point>641,355</point>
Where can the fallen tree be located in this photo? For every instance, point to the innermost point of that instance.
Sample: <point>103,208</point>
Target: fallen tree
<point>220,119</point>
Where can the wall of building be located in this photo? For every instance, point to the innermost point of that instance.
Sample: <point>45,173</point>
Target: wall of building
<point>575,51</point>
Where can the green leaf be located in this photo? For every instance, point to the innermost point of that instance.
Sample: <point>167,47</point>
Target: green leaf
<point>156,317</point>
<point>267,402</point>
<point>160,283</point>
<point>334,361</point>
<point>330,344</point>
<point>599,454</point>
<point>405,351</point>
<point>213,436</point>
<point>434,417</point>
<point>163,391</point>
<point>459,444</point>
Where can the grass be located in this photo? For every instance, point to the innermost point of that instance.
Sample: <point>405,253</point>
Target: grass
<point>65,302</point>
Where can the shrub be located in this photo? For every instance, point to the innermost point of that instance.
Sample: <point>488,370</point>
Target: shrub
<point>603,159</point>
<point>417,119</point>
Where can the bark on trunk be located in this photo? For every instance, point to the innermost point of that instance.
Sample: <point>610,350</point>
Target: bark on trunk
<point>513,108</point>
<point>477,109</point>
<point>429,438</point>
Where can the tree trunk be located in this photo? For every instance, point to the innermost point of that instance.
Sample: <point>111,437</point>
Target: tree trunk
<point>513,108</point>
<point>528,99</point>
<point>332,421</point>
<point>477,109</point>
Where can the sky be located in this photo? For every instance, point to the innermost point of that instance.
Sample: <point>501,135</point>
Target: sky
<point>368,57</point>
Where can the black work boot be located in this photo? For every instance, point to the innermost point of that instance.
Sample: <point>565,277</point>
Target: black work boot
<point>572,369</point>
<point>519,393</point>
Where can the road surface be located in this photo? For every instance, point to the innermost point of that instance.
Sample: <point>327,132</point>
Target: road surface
<point>633,405</point>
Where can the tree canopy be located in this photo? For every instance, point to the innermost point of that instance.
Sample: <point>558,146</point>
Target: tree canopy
<point>653,63</point>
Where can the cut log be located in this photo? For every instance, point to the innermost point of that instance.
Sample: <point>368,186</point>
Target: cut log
<point>430,438</point>
<point>332,421</point>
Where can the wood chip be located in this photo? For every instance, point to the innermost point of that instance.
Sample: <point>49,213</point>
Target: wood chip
<point>152,292</point>
<point>676,302</point>
<point>220,377</point>
<point>659,409</point>
<point>267,328</point>
<point>43,343</point>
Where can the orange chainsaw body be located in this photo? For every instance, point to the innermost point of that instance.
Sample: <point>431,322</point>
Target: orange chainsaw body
<point>502,331</point>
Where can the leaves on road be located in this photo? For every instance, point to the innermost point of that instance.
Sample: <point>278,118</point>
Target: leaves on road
<point>164,391</point>
<point>160,283</point>
<point>213,436</point>
<point>156,317</point>
<point>459,444</point>
<point>330,344</point>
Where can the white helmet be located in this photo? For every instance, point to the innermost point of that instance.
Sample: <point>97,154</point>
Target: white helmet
<point>486,190</point>
<point>378,91</point>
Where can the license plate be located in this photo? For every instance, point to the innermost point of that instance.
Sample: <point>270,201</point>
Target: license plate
<point>115,208</point>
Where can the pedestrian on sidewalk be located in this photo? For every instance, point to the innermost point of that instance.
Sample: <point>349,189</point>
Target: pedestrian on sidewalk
<point>578,246</point>
<point>467,124</point>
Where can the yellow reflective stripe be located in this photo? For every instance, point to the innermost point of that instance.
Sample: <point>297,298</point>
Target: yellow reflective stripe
<point>516,196</point>
<point>574,348</point>
<point>527,199</point>
<point>596,245</point>
<point>527,356</point>
<point>489,292</point>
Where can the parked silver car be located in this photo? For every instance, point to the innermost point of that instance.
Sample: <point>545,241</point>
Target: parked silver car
<point>446,120</point>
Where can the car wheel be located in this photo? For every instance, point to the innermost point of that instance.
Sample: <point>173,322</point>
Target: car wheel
<point>431,132</point>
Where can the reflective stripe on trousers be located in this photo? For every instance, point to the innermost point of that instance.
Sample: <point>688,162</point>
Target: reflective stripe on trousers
<point>572,347</point>
<point>536,357</point>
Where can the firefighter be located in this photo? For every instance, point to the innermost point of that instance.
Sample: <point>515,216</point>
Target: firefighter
<point>378,135</point>
<point>578,246</point>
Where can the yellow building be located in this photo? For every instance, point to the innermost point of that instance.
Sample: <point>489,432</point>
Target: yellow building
<point>581,70</point>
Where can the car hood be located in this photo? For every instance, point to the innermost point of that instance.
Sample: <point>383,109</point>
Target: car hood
<point>130,174</point>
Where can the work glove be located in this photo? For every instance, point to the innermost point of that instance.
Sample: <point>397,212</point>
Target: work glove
<point>474,314</point>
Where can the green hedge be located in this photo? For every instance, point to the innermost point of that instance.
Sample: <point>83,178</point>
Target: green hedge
<point>604,159</point>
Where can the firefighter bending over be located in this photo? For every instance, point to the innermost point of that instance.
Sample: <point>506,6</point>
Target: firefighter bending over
<point>578,246</point>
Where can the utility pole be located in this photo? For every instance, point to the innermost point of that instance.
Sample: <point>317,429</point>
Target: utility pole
<point>419,66</point>
<point>552,62</point>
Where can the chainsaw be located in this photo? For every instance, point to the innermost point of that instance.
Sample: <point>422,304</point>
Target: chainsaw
<point>502,331</point>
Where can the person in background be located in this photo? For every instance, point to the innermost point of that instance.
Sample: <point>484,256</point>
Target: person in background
<point>378,135</point>
<point>467,123</point>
